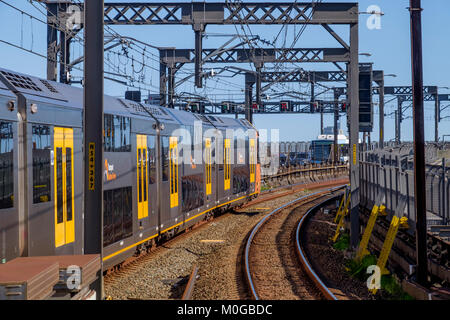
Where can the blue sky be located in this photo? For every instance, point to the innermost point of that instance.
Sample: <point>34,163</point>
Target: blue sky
<point>389,47</point>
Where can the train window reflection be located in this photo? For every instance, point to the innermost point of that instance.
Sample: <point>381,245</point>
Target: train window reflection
<point>6,165</point>
<point>41,163</point>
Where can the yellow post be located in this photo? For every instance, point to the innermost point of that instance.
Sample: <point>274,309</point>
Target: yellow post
<point>341,217</point>
<point>387,246</point>
<point>338,213</point>
<point>362,250</point>
<point>338,228</point>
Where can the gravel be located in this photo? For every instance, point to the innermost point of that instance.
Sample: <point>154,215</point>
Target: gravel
<point>220,276</point>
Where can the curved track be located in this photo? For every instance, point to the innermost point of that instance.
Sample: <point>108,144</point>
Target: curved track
<point>273,269</point>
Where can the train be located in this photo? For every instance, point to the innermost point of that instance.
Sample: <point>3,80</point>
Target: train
<point>154,184</point>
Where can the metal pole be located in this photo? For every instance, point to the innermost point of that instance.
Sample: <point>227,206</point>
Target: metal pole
<point>64,57</point>
<point>381,111</point>
<point>354,135</point>
<point>93,133</point>
<point>198,29</point>
<point>396,127</point>
<point>249,81</point>
<point>171,82</point>
<point>258,84</point>
<point>52,41</point>
<point>436,117</point>
<point>312,96</point>
<point>336,118</point>
<point>399,118</point>
<point>419,143</point>
<point>321,117</point>
<point>162,82</point>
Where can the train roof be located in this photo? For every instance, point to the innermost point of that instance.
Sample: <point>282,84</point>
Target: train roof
<point>64,95</point>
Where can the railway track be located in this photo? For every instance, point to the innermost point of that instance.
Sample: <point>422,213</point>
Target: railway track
<point>193,247</point>
<point>275,264</point>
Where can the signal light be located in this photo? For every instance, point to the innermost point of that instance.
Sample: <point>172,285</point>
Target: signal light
<point>226,107</point>
<point>194,107</point>
<point>285,106</point>
<point>344,107</point>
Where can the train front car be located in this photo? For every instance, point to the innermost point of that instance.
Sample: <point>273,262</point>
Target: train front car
<point>41,204</point>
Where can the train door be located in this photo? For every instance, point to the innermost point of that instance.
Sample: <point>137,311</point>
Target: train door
<point>208,168</point>
<point>152,182</point>
<point>219,175</point>
<point>142,175</point>
<point>252,163</point>
<point>173,171</point>
<point>64,186</point>
<point>227,164</point>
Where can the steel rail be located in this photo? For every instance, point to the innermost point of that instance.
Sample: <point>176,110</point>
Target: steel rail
<point>304,260</point>
<point>187,294</point>
<point>261,222</point>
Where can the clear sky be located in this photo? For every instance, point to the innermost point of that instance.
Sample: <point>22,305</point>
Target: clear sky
<point>389,48</point>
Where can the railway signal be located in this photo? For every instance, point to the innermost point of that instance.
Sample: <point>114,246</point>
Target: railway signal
<point>285,106</point>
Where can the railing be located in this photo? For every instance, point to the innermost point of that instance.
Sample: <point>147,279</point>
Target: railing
<point>311,171</point>
<point>387,177</point>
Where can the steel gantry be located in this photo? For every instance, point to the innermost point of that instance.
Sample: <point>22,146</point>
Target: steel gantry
<point>171,59</point>
<point>404,94</point>
<point>199,15</point>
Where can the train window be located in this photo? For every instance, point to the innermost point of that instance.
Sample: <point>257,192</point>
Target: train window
<point>41,139</point>
<point>117,215</point>
<point>192,192</point>
<point>127,212</point>
<point>59,191</point>
<point>6,165</point>
<point>252,159</point>
<point>139,169</point>
<point>144,172</point>
<point>69,183</point>
<point>165,158</point>
<point>240,179</point>
<point>108,231</point>
<point>141,145</point>
<point>192,133</point>
<point>208,162</point>
<point>117,132</point>
<point>220,154</point>
<point>173,149</point>
<point>152,159</point>
<point>227,162</point>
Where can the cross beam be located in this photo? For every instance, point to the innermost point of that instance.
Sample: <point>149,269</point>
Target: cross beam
<point>189,13</point>
<point>263,55</point>
<point>269,107</point>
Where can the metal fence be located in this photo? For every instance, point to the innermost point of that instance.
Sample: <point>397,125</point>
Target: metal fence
<point>387,177</point>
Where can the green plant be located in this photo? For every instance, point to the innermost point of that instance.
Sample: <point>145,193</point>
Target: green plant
<point>343,242</point>
<point>358,269</point>
<point>393,288</point>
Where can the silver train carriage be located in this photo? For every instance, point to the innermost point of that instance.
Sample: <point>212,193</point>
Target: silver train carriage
<point>150,194</point>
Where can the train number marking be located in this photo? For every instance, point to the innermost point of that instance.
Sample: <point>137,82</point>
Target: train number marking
<point>92,166</point>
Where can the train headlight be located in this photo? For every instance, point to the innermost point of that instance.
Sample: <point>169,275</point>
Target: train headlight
<point>10,105</point>
<point>33,108</point>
